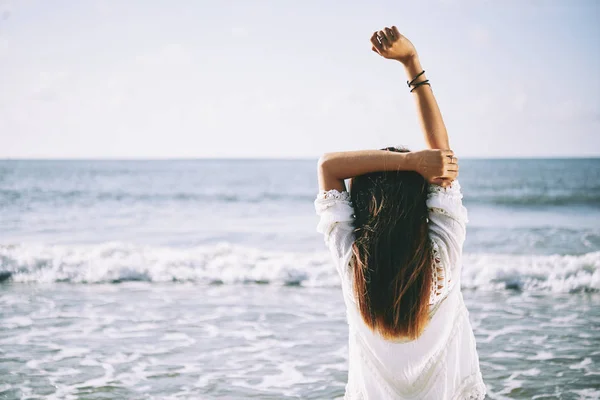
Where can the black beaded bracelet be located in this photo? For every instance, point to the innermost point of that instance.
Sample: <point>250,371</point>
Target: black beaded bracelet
<point>425,82</point>
<point>415,78</point>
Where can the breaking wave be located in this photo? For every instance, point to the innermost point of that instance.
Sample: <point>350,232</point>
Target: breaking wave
<point>225,263</point>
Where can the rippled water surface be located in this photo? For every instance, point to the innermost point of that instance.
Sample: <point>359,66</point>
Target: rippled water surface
<point>185,341</point>
<point>206,279</point>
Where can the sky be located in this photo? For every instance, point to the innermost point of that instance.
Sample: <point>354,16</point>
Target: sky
<point>293,78</point>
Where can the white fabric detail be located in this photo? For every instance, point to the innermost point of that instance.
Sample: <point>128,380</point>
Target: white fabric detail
<point>442,363</point>
<point>333,194</point>
<point>441,279</point>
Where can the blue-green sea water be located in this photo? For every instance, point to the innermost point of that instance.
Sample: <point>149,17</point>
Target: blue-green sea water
<point>206,279</point>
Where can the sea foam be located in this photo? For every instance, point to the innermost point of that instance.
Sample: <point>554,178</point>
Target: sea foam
<point>232,264</point>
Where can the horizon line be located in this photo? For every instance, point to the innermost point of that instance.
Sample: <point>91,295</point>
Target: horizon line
<point>304,158</point>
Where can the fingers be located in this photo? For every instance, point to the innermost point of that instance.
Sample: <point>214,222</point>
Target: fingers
<point>443,182</point>
<point>446,183</point>
<point>450,166</point>
<point>450,169</point>
<point>390,35</point>
<point>453,174</point>
<point>446,168</point>
<point>449,161</point>
<point>375,42</point>
<point>447,157</point>
<point>384,39</point>
<point>452,163</point>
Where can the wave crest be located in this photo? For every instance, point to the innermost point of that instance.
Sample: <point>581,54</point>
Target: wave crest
<point>230,264</point>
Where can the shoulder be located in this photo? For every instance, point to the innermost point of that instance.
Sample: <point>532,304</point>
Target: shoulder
<point>333,194</point>
<point>332,199</point>
<point>447,202</point>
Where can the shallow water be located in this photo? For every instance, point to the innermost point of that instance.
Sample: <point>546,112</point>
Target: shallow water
<point>186,341</point>
<point>206,279</point>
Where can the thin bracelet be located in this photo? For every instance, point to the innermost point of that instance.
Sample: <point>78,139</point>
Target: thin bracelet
<point>415,78</point>
<point>426,82</point>
<point>420,84</point>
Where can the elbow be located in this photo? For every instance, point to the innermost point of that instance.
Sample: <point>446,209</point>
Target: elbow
<point>324,161</point>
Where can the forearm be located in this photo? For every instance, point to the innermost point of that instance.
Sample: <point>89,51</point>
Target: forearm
<point>335,167</point>
<point>430,117</point>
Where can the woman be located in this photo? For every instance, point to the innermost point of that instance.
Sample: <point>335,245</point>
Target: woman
<point>396,239</point>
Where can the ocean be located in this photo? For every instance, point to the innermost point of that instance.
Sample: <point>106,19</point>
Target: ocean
<point>206,279</point>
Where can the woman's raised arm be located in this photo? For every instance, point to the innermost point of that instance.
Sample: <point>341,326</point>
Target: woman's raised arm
<point>391,44</point>
<point>437,165</point>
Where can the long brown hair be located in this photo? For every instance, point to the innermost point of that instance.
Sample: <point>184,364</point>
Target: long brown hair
<point>392,253</point>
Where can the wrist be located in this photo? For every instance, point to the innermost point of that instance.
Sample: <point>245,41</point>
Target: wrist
<point>411,161</point>
<point>413,68</point>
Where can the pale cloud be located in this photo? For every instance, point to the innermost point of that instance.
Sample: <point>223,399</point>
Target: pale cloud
<point>102,6</point>
<point>576,110</point>
<point>6,8</point>
<point>239,32</point>
<point>175,91</point>
<point>462,3</point>
<point>567,110</point>
<point>5,12</point>
<point>482,105</point>
<point>3,47</point>
<point>359,102</point>
<point>48,81</point>
<point>480,36</point>
<point>520,101</point>
<point>166,56</point>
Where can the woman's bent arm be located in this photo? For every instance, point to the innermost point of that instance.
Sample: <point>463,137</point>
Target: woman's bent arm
<point>335,167</point>
<point>434,165</point>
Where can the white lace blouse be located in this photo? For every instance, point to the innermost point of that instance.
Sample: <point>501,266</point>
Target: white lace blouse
<point>443,362</point>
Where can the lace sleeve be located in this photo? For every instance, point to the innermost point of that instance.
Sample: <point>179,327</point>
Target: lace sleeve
<point>336,217</point>
<point>441,278</point>
<point>447,229</point>
<point>447,201</point>
<point>333,207</point>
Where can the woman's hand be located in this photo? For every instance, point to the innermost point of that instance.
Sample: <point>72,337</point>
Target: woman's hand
<point>436,166</point>
<point>389,43</point>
